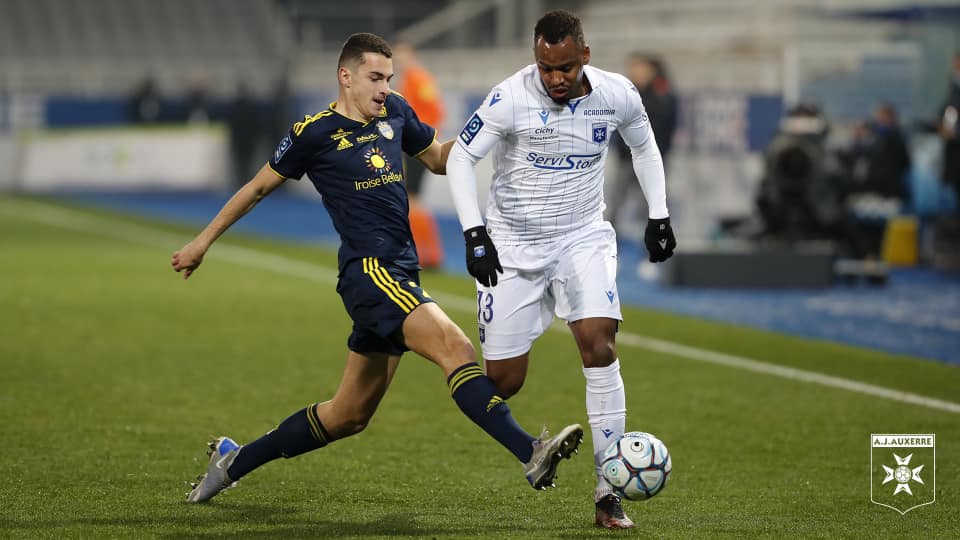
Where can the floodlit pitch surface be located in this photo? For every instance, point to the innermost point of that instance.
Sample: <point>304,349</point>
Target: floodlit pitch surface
<point>115,372</point>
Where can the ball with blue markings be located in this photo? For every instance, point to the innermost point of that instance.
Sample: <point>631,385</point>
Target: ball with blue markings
<point>637,465</point>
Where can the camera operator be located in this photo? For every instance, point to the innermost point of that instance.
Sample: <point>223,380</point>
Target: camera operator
<point>800,196</point>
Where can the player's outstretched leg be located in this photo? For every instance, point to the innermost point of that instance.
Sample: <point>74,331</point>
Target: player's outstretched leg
<point>222,453</point>
<point>298,434</point>
<point>365,380</point>
<point>541,470</point>
<point>476,396</point>
<point>429,332</point>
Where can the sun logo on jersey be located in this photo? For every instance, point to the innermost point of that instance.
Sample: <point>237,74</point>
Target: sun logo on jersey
<point>376,161</point>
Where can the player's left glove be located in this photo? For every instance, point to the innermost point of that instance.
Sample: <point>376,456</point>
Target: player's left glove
<point>483,263</point>
<point>659,239</point>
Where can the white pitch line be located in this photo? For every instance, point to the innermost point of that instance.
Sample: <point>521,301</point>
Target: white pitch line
<point>78,220</point>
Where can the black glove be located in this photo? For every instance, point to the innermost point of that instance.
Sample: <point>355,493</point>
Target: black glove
<point>659,239</point>
<point>482,260</point>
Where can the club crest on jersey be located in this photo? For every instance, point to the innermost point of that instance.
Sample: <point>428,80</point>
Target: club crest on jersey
<point>282,148</point>
<point>600,132</point>
<point>385,129</point>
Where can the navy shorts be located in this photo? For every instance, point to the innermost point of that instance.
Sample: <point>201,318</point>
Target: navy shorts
<point>378,297</point>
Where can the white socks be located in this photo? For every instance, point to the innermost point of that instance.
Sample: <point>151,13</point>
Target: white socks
<point>607,412</point>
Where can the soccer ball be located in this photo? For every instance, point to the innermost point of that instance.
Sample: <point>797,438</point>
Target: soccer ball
<point>637,465</point>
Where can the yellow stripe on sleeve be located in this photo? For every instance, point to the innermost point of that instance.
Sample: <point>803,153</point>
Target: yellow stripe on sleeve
<point>274,170</point>
<point>307,120</point>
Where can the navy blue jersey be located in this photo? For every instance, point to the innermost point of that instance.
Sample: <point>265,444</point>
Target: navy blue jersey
<point>358,169</point>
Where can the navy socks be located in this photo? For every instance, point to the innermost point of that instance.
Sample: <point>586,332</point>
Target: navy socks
<point>477,397</point>
<point>470,387</point>
<point>298,434</point>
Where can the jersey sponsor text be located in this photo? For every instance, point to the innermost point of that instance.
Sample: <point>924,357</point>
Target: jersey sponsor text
<point>563,162</point>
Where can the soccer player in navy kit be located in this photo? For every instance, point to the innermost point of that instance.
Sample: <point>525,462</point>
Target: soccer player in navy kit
<point>352,152</point>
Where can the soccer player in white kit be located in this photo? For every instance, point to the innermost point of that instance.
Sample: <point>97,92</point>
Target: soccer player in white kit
<point>545,249</point>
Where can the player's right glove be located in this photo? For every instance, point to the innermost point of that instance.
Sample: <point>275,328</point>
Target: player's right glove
<point>659,239</point>
<point>483,263</point>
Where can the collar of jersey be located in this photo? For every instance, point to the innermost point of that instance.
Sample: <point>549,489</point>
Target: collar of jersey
<point>334,103</point>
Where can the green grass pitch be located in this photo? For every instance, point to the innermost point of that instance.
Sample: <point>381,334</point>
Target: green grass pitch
<point>115,372</point>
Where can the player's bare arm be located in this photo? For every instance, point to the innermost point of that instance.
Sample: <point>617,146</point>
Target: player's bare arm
<point>189,257</point>
<point>434,157</point>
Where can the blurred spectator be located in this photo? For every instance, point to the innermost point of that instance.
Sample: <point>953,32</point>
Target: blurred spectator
<point>280,115</point>
<point>950,129</point>
<point>946,232</point>
<point>877,163</point>
<point>146,103</point>
<point>196,104</point>
<point>419,87</point>
<point>243,121</point>
<point>878,158</point>
<point>649,75</point>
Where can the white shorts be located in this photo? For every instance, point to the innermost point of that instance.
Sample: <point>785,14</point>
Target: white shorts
<point>573,278</point>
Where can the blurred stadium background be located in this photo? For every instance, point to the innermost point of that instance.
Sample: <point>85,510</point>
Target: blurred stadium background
<point>133,104</point>
<point>117,102</point>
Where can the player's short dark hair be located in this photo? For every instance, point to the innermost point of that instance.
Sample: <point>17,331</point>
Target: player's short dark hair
<point>357,44</point>
<point>556,25</point>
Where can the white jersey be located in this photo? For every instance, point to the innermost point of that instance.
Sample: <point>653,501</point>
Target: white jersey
<point>549,158</point>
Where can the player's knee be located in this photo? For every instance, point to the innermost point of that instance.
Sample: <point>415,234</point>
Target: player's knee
<point>349,419</point>
<point>458,346</point>
<point>599,353</point>
<point>510,387</point>
<point>355,423</point>
<point>507,383</point>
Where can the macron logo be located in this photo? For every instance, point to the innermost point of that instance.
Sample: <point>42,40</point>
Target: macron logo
<point>544,115</point>
<point>610,296</point>
<point>495,99</point>
<point>606,432</point>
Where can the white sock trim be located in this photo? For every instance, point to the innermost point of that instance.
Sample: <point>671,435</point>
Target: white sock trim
<point>604,379</point>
